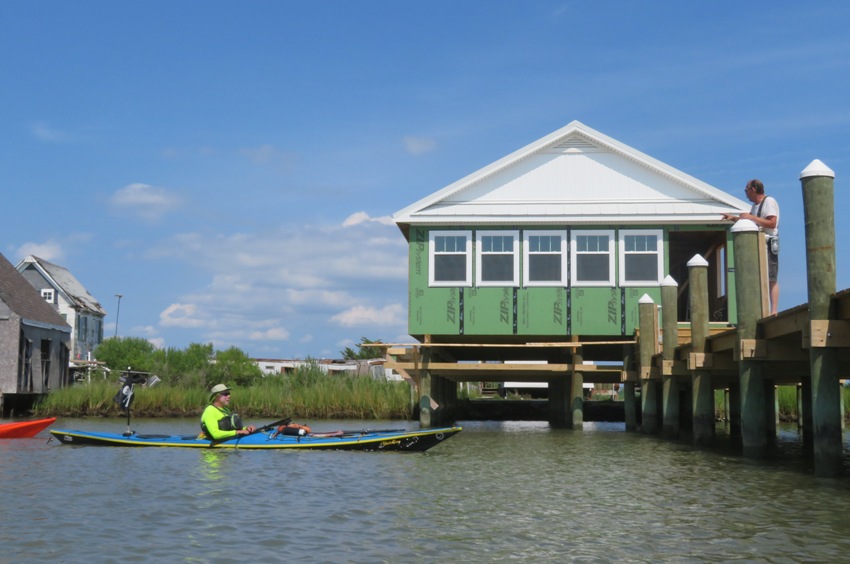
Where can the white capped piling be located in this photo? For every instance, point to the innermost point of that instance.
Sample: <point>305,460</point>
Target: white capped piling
<point>648,322</point>
<point>818,182</point>
<point>670,339</point>
<point>698,361</point>
<point>749,248</point>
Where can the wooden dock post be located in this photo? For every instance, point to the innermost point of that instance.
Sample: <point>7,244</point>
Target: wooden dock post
<point>629,395</point>
<point>648,322</point>
<point>749,250</point>
<point>703,393</point>
<point>670,332</point>
<point>576,419</point>
<point>426,391</point>
<point>818,206</point>
<point>559,401</point>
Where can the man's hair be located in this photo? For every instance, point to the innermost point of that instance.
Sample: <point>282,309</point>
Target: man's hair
<point>757,185</point>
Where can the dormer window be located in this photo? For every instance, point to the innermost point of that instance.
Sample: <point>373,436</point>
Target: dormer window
<point>48,295</point>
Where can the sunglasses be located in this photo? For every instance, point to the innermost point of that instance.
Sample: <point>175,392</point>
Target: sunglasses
<point>224,394</point>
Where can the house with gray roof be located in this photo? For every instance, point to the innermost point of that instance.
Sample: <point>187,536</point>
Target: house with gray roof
<point>61,289</point>
<point>34,343</point>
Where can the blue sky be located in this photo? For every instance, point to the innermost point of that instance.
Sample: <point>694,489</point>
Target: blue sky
<point>231,168</point>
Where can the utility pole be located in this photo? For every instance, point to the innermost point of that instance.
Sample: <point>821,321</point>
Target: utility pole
<point>118,312</point>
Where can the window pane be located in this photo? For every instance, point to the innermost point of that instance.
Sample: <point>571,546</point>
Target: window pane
<point>544,268</point>
<point>592,268</point>
<point>641,267</point>
<point>497,268</point>
<point>449,268</point>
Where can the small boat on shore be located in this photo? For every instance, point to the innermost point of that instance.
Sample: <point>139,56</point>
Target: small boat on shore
<point>24,429</point>
<point>386,440</point>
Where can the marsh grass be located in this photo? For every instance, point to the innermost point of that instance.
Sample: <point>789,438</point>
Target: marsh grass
<point>305,394</point>
<point>786,399</point>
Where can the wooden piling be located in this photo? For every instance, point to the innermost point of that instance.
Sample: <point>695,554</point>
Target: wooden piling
<point>629,395</point>
<point>576,418</point>
<point>703,393</point>
<point>648,322</point>
<point>749,248</point>
<point>670,331</point>
<point>818,206</point>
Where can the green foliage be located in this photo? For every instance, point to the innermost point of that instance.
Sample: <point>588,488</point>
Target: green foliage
<point>195,366</point>
<point>364,351</point>
<point>121,353</point>
<point>234,367</point>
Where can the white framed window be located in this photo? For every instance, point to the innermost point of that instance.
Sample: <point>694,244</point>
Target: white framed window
<point>544,258</point>
<point>497,258</point>
<point>48,295</point>
<point>450,258</point>
<point>592,257</point>
<point>641,257</point>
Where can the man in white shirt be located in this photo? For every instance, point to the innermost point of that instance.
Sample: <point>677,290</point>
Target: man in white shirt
<point>765,214</point>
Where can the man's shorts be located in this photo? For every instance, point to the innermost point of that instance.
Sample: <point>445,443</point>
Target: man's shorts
<point>772,265</point>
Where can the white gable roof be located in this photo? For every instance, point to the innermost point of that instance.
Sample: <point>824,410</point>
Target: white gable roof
<point>575,175</point>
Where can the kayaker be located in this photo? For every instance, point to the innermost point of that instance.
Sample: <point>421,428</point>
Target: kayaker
<point>217,421</point>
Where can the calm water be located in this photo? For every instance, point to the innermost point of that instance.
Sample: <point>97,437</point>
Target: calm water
<point>498,492</point>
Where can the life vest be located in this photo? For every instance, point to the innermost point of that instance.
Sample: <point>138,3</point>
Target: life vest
<point>230,422</point>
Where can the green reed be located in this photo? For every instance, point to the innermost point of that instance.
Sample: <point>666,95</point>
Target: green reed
<point>786,402</point>
<point>308,394</point>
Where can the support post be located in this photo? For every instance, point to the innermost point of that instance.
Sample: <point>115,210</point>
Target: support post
<point>426,392</point>
<point>559,401</point>
<point>648,321</point>
<point>670,339</point>
<point>577,393</point>
<point>749,290</point>
<point>818,206</point>
<point>703,393</point>
<point>629,395</point>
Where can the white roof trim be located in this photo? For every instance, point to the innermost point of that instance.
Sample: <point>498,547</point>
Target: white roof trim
<point>708,203</point>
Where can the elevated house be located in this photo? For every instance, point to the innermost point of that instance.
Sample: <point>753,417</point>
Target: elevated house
<point>544,255</point>
<point>34,343</point>
<point>59,288</point>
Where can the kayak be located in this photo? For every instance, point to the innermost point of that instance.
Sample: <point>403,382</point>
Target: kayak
<point>24,429</point>
<point>365,440</point>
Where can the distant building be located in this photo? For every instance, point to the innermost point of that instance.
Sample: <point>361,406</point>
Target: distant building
<point>34,343</point>
<point>374,367</point>
<point>70,299</point>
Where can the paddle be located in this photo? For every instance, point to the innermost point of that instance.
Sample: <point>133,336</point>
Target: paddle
<point>254,432</point>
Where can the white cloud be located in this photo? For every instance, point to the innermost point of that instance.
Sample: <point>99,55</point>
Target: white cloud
<point>272,334</point>
<point>393,314</point>
<point>269,155</point>
<point>46,133</point>
<point>144,200</point>
<point>419,145</point>
<point>180,315</point>
<point>285,284</point>
<point>49,250</point>
<point>362,217</point>
<point>158,342</point>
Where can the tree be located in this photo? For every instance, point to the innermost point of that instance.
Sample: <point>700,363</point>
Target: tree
<point>121,353</point>
<point>365,352</point>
